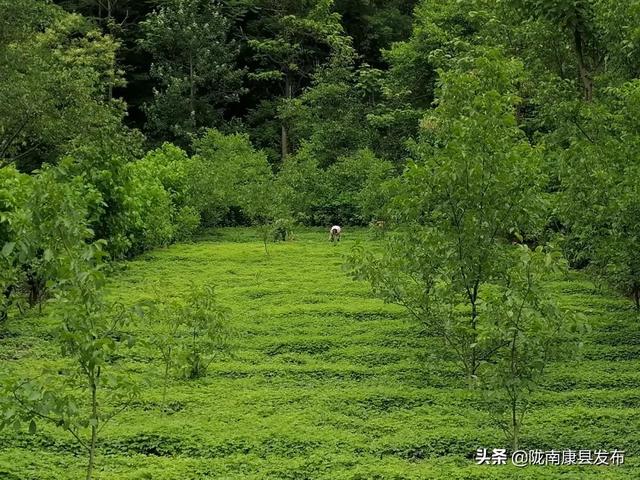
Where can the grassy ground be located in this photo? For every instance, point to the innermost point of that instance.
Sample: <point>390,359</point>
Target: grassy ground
<point>327,382</point>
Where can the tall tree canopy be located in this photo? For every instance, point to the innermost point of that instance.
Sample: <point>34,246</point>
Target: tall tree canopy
<point>194,64</point>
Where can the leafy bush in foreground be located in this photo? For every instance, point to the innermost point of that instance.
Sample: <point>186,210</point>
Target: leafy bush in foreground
<point>90,333</point>
<point>43,226</point>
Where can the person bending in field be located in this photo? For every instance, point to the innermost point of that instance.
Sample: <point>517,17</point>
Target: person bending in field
<point>334,234</point>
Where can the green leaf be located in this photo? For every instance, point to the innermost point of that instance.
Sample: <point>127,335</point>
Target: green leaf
<point>8,248</point>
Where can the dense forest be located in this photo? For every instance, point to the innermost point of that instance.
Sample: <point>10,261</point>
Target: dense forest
<point>320,104</point>
<point>487,144</point>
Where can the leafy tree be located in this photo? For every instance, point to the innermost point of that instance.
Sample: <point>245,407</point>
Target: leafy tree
<point>121,19</point>
<point>532,331</point>
<point>171,166</point>
<point>348,192</point>
<point>58,56</point>
<point>301,188</point>
<point>165,317</point>
<point>575,19</point>
<point>228,178</point>
<point>476,180</point>
<point>153,210</point>
<point>192,332</point>
<point>208,333</point>
<point>90,334</point>
<point>330,117</point>
<point>375,24</point>
<point>599,199</point>
<point>356,187</point>
<point>103,163</point>
<point>441,30</point>
<point>290,43</point>
<point>193,62</point>
<point>14,191</point>
<point>44,223</point>
<point>141,204</point>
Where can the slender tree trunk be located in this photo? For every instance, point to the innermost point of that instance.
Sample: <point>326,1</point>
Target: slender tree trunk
<point>288,88</point>
<point>109,23</point>
<point>585,74</point>
<point>167,365</point>
<point>473,365</point>
<point>515,427</point>
<point>285,143</point>
<point>94,424</point>
<point>515,432</point>
<point>192,91</point>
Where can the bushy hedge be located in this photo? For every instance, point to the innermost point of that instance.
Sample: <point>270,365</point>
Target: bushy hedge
<point>106,190</point>
<point>228,179</point>
<point>350,191</point>
<point>43,224</point>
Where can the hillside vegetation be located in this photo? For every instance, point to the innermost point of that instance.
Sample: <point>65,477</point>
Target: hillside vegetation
<point>325,381</point>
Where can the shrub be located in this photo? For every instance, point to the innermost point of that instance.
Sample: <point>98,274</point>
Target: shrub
<point>14,190</point>
<point>171,166</point>
<point>104,166</point>
<point>43,225</point>
<point>300,187</point>
<point>228,178</point>
<point>347,192</point>
<point>192,332</point>
<point>355,188</point>
<point>152,211</point>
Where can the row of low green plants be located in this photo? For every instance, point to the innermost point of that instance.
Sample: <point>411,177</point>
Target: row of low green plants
<point>89,388</point>
<point>379,389</point>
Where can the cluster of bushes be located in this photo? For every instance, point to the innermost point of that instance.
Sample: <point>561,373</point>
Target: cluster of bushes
<point>43,222</point>
<point>106,190</point>
<point>348,192</point>
<point>97,193</point>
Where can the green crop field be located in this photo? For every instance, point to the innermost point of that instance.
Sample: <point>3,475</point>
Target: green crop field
<point>326,382</point>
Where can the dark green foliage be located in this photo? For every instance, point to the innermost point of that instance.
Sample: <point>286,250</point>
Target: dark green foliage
<point>193,63</point>
<point>470,136</point>
<point>228,179</point>
<point>375,25</point>
<point>603,219</point>
<point>349,192</point>
<point>55,69</point>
